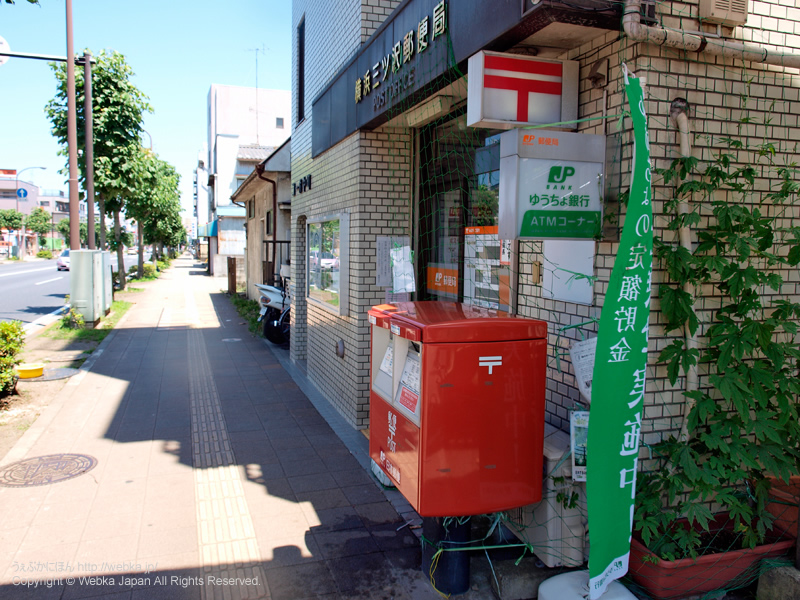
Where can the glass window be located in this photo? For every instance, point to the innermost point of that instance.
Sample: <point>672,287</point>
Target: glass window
<point>461,256</point>
<point>279,122</point>
<point>324,273</point>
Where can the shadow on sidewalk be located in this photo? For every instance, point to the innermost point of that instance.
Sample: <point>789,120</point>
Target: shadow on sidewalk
<point>323,526</point>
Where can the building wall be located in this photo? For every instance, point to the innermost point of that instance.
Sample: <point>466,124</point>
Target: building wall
<point>260,193</point>
<point>722,94</point>
<point>349,178</point>
<point>239,116</point>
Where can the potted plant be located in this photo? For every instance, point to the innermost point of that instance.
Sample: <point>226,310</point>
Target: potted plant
<point>706,491</point>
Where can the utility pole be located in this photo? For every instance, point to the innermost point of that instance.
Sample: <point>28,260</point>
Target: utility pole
<point>89,143</point>
<point>72,141</point>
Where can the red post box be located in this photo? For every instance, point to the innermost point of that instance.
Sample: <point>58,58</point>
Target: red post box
<point>457,405</point>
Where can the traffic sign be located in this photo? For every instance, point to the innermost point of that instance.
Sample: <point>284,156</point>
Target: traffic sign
<point>22,193</point>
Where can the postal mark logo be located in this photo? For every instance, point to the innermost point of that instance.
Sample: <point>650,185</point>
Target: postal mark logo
<point>560,174</point>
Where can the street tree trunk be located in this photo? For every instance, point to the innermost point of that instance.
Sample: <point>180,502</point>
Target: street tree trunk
<point>101,201</point>
<point>141,250</point>
<point>120,257</point>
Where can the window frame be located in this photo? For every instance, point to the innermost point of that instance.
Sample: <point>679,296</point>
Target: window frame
<point>343,309</point>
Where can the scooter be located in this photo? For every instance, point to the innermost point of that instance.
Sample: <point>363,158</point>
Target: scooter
<point>276,309</point>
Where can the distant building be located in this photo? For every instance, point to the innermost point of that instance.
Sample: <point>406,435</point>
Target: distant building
<point>245,125</point>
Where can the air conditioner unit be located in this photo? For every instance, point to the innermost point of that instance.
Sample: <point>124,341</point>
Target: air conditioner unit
<point>555,528</point>
<point>725,12</point>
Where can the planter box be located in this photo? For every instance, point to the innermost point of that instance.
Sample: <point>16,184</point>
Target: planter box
<point>671,580</point>
<point>784,499</point>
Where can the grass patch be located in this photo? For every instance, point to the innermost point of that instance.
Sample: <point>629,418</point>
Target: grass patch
<point>133,289</point>
<point>249,311</point>
<point>63,331</point>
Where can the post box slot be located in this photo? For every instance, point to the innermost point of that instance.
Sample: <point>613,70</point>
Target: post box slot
<point>382,351</point>
<point>408,395</point>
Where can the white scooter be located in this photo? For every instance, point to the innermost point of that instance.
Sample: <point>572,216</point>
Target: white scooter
<point>276,308</point>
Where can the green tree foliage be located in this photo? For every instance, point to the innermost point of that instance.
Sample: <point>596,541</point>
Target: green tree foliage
<point>118,109</point>
<point>39,221</point>
<point>62,227</point>
<point>10,219</point>
<point>156,206</point>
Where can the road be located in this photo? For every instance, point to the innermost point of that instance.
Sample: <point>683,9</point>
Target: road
<point>33,289</point>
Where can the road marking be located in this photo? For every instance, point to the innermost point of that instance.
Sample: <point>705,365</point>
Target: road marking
<point>28,271</point>
<point>45,320</point>
<point>48,281</point>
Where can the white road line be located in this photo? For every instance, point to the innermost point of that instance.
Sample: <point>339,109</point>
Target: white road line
<point>45,320</point>
<point>28,271</point>
<point>48,281</point>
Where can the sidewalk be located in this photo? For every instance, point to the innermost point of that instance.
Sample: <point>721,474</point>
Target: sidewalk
<point>210,474</point>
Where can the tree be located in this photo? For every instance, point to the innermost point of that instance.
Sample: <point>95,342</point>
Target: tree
<point>156,206</point>
<point>62,227</point>
<point>10,219</point>
<point>118,109</point>
<point>29,1</point>
<point>39,221</point>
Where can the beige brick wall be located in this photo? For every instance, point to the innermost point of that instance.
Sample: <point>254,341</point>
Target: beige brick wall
<point>722,93</point>
<point>351,177</point>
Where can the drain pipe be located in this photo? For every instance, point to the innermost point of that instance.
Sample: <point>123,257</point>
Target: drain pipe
<point>679,115</point>
<point>260,172</point>
<point>699,42</point>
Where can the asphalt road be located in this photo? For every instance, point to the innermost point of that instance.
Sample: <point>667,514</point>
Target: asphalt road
<point>33,289</point>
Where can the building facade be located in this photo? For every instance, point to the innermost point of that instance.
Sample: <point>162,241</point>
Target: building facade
<point>266,196</point>
<point>384,156</point>
<point>245,125</point>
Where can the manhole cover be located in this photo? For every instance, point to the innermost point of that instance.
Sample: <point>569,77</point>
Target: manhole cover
<point>44,470</point>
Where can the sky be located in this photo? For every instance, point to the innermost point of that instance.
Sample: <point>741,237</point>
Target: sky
<point>176,48</point>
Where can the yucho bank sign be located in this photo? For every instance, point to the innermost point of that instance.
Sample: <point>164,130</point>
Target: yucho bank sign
<point>551,185</point>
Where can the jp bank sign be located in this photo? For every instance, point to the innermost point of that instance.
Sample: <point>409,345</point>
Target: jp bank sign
<point>551,186</point>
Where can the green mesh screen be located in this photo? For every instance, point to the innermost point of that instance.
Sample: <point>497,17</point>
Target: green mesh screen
<point>742,108</point>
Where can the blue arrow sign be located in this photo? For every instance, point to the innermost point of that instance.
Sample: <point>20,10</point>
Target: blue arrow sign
<point>22,193</point>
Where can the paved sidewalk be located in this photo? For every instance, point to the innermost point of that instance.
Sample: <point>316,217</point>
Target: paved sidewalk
<point>215,476</point>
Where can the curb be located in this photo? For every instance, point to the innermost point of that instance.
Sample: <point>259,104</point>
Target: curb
<point>40,425</point>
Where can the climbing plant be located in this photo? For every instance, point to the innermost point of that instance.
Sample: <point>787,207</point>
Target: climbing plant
<point>742,423</point>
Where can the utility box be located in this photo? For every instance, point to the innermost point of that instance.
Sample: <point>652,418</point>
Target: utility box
<point>107,282</point>
<point>89,284</point>
<point>555,528</point>
<point>457,405</point>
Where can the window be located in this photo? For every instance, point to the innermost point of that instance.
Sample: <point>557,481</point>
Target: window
<point>251,209</point>
<point>268,224</point>
<point>279,122</point>
<point>301,70</point>
<point>328,273</point>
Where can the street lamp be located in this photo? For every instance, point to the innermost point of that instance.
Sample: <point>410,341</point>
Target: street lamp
<point>21,245</point>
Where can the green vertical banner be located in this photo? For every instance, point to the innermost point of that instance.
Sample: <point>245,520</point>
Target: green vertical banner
<point>618,384</point>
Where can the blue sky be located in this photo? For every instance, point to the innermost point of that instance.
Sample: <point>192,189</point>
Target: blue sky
<point>176,48</point>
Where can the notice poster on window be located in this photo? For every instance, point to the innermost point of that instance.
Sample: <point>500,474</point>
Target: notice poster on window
<point>486,268</point>
<point>402,270</point>
<point>409,383</point>
<point>383,257</point>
